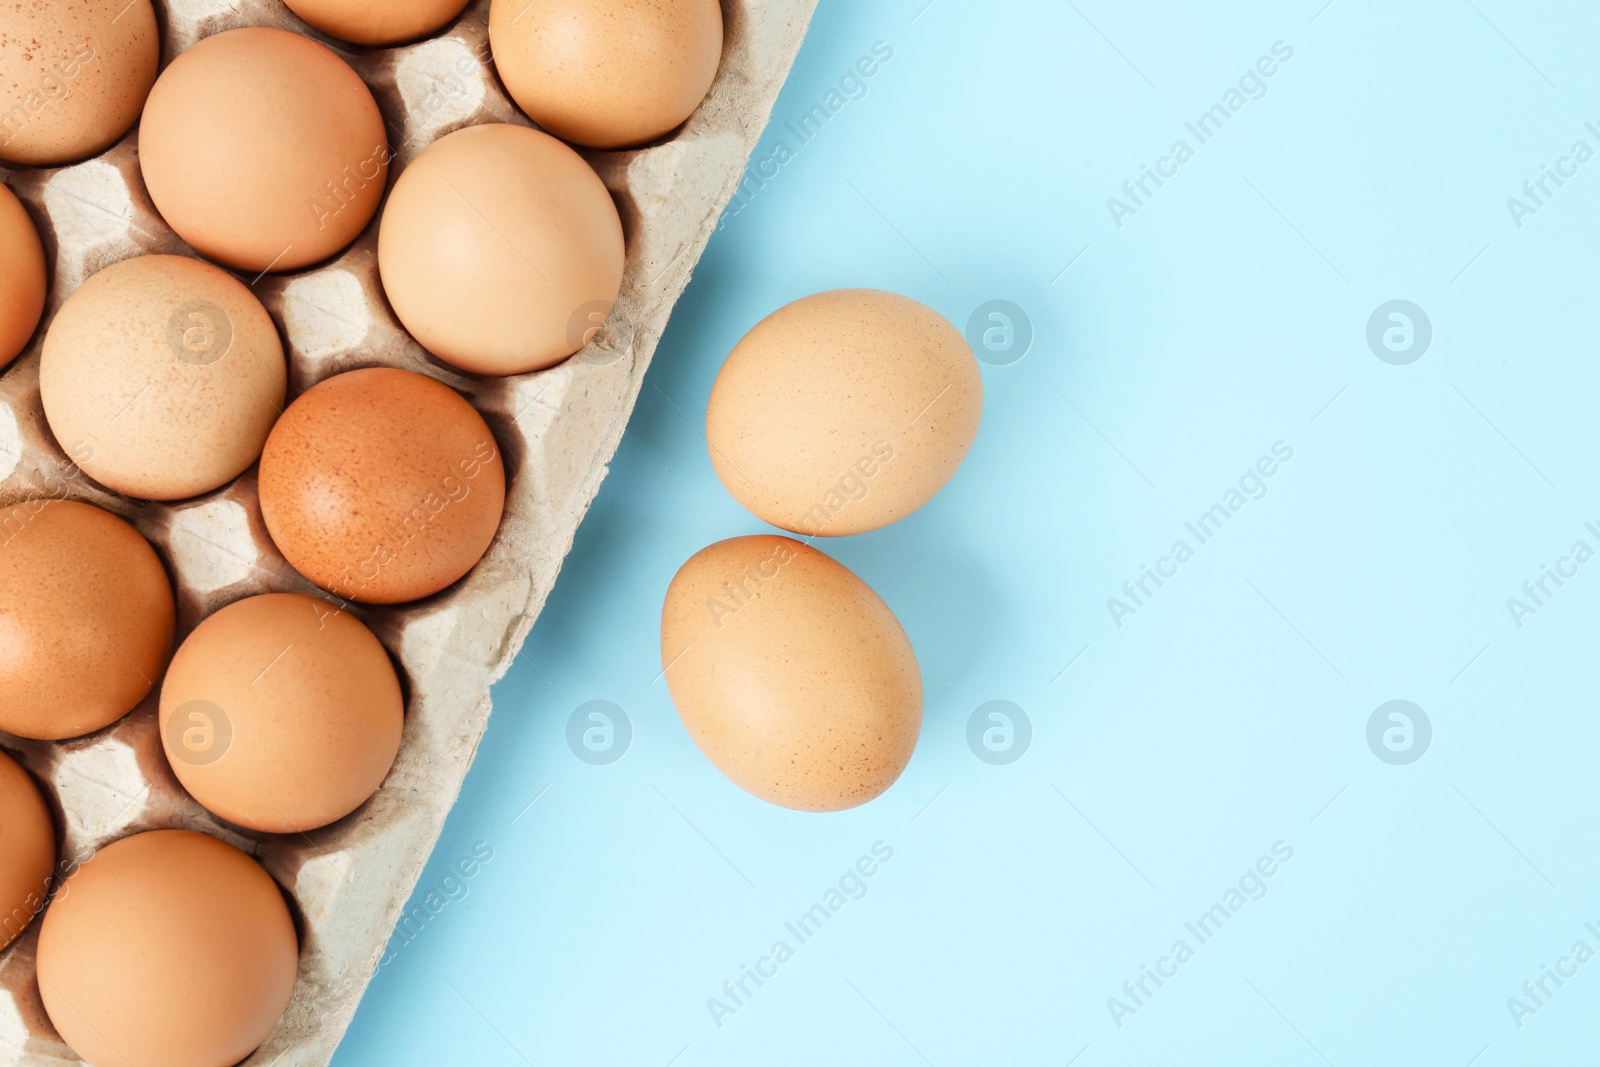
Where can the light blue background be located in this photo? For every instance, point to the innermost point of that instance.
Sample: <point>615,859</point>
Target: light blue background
<point>1230,713</point>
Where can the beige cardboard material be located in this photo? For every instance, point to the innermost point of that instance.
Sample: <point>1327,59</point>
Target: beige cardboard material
<point>558,430</point>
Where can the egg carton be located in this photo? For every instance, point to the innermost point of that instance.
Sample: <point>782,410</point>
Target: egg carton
<point>558,430</point>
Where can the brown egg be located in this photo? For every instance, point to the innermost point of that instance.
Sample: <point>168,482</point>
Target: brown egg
<point>73,76</point>
<point>161,377</point>
<point>791,675</point>
<point>844,412</point>
<point>607,73</point>
<point>281,713</point>
<point>377,22</point>
<point>86,619</point>
<point>170,948</point>
<point>382,485</point>
<point>295,152</point>
<point>498,245</point>
<point>22,277</point>
<point>27,850</point>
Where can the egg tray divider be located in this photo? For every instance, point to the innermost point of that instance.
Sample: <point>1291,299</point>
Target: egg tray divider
<point>557,429</point>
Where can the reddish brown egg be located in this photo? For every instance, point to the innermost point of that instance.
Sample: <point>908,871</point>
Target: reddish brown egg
<point>281,713</point>
<point>294,149</point>
<point>27,850</point>
<point>86,619</point>
<point>170,948</point>
<point>22,277</point>
<point>382,485</point>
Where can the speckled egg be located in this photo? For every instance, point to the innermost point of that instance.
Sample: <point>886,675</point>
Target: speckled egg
<point>73,76</point>
<point>161,377</point>
<point>294,148</point>
<point>168,947</point>
<point>281,713</point>
<point>23,283</point>
<point>27,850</point>
<point>381,485</point>
<point>844,412</point>
<point>377,22</point>
<point>86,619</point>
<point>607,73</point>
<point>498,247</point>
<point>790,674</point>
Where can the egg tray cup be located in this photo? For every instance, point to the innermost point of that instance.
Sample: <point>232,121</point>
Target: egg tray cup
<point>557,430</point>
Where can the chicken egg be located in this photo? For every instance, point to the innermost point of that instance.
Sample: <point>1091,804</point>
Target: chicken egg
<point>294,148</point>
<point>844,412</point>
<point>161,376</point>
<point>281,713</point>
<point>382,485</point>
<point>167,947</point>
<point>377,22</point>
<point>22,277</point>
<point>27,850</point>
<point>499,249</point>
<point>607,73</point>
<point>73,76</point>
<point>790,674</point>
<point>86,619</point>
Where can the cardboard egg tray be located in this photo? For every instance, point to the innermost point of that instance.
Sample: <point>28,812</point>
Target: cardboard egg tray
<point>557,429</point>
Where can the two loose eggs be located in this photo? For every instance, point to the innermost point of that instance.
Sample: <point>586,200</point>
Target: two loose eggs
<point>839,414</point>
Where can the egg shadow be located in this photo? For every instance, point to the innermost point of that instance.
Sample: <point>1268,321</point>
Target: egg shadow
<point>939,588</point>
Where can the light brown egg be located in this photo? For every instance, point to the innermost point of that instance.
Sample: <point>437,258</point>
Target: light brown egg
<point>607,73</point>
<point>73,76</point>
<point>844,412</point>
<point>382,485</point>
<point>377,22</point>
<point>86,619</point>
<point>498,246</point>
<point>281,713</point>
<point>27,850</point>
<point>161,377</point>
<point>22,277</point>
<point>295,152</point>
<point>791,675</point>
<point>170,948</point>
